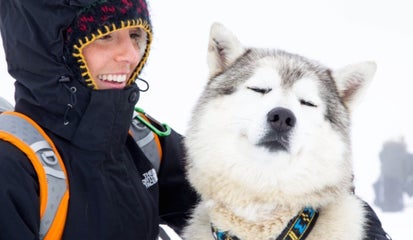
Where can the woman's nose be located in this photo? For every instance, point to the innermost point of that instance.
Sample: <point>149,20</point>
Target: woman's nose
<point>128,51</point>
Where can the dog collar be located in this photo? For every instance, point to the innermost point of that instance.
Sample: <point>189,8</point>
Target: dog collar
<point>298,227</point>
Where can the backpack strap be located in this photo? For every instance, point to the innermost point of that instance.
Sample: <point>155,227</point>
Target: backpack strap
<point>147,138</point>
<point>29,137</point>
<point>5,105</point>
<point>26,135</point>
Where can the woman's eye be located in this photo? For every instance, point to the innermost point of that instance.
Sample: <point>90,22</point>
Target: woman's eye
<point>260,90</point>
<point>139,37</point>
<point>135,36</point>
<point>307,103</point>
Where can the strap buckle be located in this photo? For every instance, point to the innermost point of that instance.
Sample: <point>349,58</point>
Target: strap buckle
<point>161,129</point>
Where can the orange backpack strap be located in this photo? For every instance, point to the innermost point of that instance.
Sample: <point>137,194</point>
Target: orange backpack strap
<point>26,135</point>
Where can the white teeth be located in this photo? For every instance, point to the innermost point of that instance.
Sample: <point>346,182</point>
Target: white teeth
<point>112,77</point>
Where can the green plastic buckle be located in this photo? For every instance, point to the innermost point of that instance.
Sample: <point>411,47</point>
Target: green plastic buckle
<point>161,129</point>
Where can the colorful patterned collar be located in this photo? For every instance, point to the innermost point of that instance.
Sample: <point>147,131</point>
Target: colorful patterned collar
<point>298,227</point>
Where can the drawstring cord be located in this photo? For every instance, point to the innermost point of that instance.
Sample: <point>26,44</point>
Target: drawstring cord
<point>146,85</point>
<point>73,99</point>
<point>71,105</point>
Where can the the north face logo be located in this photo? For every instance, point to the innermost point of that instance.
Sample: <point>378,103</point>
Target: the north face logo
<point>149,178</point>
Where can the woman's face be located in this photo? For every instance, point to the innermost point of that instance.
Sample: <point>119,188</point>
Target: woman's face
<point>111,59</point>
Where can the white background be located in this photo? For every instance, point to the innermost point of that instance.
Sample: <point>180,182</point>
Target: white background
<point>333,32</point>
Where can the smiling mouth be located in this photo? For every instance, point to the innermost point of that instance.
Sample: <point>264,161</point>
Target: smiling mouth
<point>116,78</point>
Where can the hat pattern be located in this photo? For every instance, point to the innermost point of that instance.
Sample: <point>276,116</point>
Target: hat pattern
<point>99,19</point>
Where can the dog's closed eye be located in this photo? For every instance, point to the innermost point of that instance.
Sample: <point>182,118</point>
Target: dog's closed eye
<point>260,90</point>
<point>307,103</point>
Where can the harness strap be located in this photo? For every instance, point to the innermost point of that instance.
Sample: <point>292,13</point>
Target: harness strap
<point>300,226</point>
<point>147,140</point>
<point>25,134</point>
<point>297,229</point>
<point>222,235</point>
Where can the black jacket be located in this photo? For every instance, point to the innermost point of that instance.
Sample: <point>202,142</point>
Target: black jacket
<point>90,130</point>
<point>107,197</point>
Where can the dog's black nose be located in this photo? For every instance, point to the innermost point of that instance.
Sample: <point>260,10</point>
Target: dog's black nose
<point>281,119</point>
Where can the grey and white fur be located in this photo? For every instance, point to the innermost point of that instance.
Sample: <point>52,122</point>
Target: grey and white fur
<point>270,135</point>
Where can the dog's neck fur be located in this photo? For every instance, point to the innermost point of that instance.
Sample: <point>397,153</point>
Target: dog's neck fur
<point>264,218</point>
<point>263,228</point>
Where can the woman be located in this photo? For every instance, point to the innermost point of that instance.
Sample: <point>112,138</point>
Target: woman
<point>75,65</point>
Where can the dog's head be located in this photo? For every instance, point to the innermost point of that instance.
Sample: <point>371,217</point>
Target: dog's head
<point>271,120</point>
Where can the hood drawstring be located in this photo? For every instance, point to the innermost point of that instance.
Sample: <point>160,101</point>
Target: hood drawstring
<point>146,88</point>
<point>73,99</point>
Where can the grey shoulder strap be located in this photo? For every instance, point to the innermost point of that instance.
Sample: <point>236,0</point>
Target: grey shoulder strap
<point>145,139</point>
<point>16,129</point>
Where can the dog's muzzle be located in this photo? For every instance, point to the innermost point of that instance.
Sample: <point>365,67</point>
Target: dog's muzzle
<point>281,122</point>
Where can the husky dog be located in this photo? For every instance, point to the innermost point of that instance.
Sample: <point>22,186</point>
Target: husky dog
<point>269,149</point>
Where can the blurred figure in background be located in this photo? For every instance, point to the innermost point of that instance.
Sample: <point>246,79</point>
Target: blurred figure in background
<point>396,177</point>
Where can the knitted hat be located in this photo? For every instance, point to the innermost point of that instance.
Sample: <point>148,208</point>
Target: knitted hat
<point>100,18</point>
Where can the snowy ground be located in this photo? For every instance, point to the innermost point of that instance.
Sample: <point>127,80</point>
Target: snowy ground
<point>398,225</point>
<point>331,31</point>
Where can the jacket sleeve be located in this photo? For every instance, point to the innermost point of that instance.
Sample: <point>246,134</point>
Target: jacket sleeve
<point>374,229</point>
<point>19,201</point>
<point>176,196</point>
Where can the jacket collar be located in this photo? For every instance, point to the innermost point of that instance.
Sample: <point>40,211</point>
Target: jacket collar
<point>90,119</point>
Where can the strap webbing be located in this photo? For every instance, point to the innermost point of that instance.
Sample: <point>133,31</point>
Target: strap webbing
<point>147,140</point>
<point>26,135</point>
<point>298,227</point>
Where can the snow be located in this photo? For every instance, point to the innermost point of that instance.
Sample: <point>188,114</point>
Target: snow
<point>333,32</point>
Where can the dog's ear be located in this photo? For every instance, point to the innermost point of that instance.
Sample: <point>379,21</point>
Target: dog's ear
<point>223,49</point>
<point>353,80</point>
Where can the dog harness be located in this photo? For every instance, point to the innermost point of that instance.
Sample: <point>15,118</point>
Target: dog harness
<point>298,227</point>
<point>29,137</point>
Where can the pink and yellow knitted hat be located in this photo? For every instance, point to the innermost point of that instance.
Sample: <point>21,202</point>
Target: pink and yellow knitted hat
<point>99,19</point>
